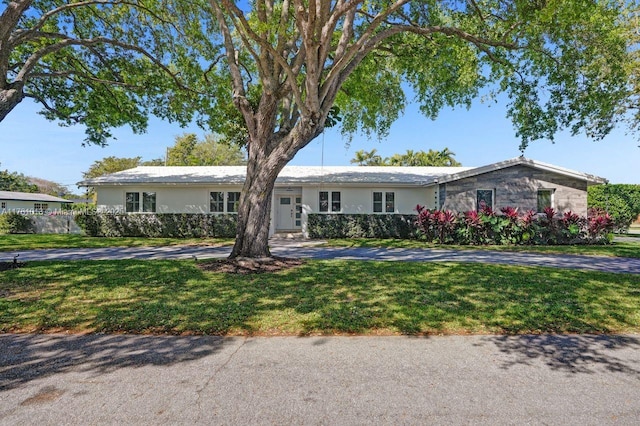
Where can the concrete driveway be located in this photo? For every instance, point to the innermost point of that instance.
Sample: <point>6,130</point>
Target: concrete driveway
<point>168,380</point>
<point>301,250</point>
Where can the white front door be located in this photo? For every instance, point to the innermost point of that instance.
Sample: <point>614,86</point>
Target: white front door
<point>288,212</point>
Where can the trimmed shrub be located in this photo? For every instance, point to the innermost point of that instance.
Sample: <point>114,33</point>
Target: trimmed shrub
<point>361,226</point>
<point>15,223</point>
<point>169,225</point>
<point>620,201</point>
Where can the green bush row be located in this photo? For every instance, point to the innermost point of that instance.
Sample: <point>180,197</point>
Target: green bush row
<point>15,223</point>
<point>169,225</point>
<point>621,201</point>
<point>511,227</point>
<point>361,226</point>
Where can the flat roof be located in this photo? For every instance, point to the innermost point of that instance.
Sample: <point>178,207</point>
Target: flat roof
<point>291,175</point>
<point>288,176</point>
<point>28,196</point>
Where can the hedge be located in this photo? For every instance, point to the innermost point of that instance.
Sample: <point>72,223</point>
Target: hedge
<point>361,226</point>
<point>170,225</point>
<point>621,201</point>
<point>15,223</point>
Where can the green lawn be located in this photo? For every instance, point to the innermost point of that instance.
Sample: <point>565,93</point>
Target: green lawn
<point>47,241</point>
<point>320,297</point>
<point>616,249</point>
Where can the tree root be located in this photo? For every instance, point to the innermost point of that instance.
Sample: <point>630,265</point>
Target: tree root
<point>247,265</point>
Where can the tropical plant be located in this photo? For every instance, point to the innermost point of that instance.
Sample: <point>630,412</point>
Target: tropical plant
<point>432,158</point>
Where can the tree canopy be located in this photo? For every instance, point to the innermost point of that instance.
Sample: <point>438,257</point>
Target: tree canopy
<point>444,158</point>
<point>110,165</point>
<point>273,74</point>
<point>14,181</point>
<point>189,151</point>
<point>98,63</point>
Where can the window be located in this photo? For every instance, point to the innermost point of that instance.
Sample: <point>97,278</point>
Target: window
<point>233,199</point>
<point>377,202</point>
<point>545,199</point>
<point>216,202</point>
<point>132,202</point>
<point>484,198</point>
<point>4,205</point>
<point>390,205</point>
<point>149,202</point>
<point>298,211</point>
<point>324,201</point>
<point>335,201</point>
<point>40,207</point>
<point>389,202</point>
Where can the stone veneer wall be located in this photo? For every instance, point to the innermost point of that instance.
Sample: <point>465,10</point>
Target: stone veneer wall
<point>518,186</point>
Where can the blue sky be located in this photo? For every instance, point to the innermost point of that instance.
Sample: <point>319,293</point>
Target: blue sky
<point>482,135</point>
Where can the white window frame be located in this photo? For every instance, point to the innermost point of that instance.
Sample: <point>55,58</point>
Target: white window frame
<point>493,198</point>
<point>136,202</point>
<point>330,206</point>
<point>228,202</point>
<point>3,205</point>
<point>551,199</point>
<point>217,201</point>
<point>320,206</point>
<point>384,208</point>
<point>333,209</point>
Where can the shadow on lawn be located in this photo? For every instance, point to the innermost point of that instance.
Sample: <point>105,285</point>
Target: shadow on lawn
<point>585,354</point>
<point>27,357</point>
<point>320,297</point>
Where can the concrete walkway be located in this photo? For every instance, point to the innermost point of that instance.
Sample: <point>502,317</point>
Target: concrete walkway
<point>457,380</point>
<point>301,250</point>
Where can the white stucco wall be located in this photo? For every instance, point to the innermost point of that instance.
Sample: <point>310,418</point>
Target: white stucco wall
<point>195,199</point>
<point>169,199</point>
<point>359,200</point>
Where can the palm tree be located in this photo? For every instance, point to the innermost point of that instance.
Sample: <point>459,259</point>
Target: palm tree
<point>370,158</point>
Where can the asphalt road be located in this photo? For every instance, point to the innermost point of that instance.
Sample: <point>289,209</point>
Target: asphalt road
<point>592,263</point>
<point>166,380</point>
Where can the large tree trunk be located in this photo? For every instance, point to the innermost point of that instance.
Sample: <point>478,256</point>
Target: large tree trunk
<point>267,157</point>
<point>254,212</point>
<point>9,98</point>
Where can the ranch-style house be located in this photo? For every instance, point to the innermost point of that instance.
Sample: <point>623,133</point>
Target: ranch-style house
<point>520,182</point>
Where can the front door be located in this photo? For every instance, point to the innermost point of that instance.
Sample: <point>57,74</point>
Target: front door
<point>289,212</point>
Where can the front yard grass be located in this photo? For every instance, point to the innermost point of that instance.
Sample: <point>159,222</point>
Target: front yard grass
<point>616,249</point>
<point>319,297</point>
<point>12,242</point>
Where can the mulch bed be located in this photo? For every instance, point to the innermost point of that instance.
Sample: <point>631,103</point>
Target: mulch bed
<point>245,266</point>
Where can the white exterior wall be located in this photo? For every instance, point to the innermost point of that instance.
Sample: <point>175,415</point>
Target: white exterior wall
<point>28,205</point>
<point>169,199</point>
<point>359,200</point>
<point>195,199</point>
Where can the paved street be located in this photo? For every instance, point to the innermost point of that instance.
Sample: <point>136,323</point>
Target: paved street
<point>162,380</point>
<point>302,250</point>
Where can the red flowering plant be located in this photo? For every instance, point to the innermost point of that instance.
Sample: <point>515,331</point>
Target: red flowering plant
<point>600,227</point>
<point>528,227</point>
<point>510,226</point>
<point>572,228</point>
<point>426,222</point>
<point>446,226</point>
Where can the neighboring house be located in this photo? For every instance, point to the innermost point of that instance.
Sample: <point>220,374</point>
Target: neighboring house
<point>300,191</point>
<point>28,202</point>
